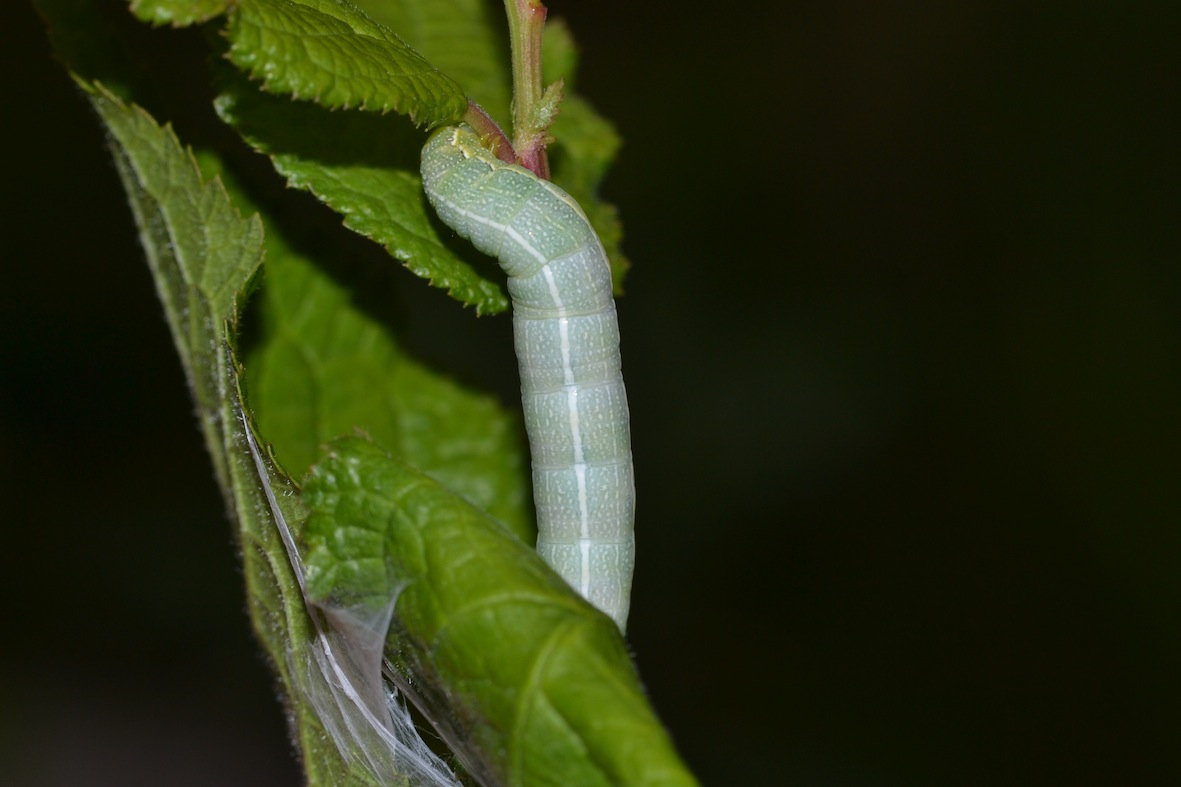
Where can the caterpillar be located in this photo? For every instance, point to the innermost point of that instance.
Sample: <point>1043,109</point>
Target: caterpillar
<point>567,343</point>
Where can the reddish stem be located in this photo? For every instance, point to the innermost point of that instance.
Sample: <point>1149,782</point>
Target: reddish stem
<point>488,129</point>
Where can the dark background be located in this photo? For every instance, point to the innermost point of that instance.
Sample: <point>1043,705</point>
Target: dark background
<point>903,347</point>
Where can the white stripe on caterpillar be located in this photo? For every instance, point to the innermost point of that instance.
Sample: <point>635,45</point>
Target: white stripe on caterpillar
<point>567,342</point>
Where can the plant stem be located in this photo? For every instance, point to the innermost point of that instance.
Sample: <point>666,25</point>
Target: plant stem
<point>488,129</point>
<point>526,19</point>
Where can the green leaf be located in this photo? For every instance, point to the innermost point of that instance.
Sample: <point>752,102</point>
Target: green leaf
<point>329,52</point>
<point>559,53</point>
<point>325,366</point>
<point>201,252</point>
<point>203,256</point>
<point>585,145</point>
<point>541,685</point>
<point>459,38</point>
<point>585,148</point>
<point>366,168</point>
<point>178,13</point>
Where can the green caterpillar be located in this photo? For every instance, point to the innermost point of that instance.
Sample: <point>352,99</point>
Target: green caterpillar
<point>567,343</point>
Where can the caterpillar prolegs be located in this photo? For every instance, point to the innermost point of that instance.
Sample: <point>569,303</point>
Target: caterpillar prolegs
<point>567,343</point>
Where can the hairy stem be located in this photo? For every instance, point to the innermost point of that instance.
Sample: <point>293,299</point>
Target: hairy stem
<point>526,18</point>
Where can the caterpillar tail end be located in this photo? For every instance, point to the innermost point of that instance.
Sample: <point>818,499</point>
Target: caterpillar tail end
<point>578,562</point>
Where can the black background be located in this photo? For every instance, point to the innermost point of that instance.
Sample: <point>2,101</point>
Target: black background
<point>903,348</point>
